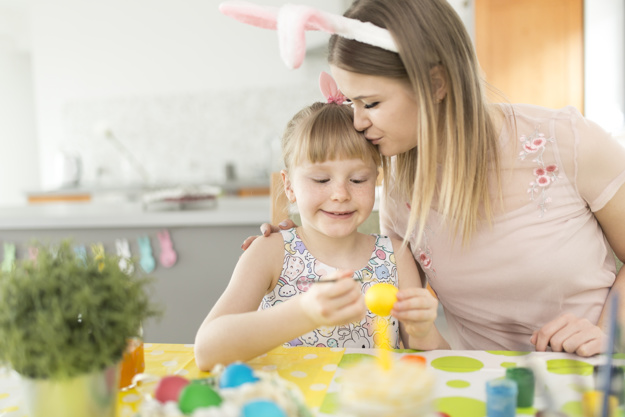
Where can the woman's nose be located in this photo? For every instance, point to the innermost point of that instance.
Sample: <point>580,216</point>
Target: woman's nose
<point>361,121</point>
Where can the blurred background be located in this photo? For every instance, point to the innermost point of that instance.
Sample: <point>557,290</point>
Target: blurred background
<point>196,97</point>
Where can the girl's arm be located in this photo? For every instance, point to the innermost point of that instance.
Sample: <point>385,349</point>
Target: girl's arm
<point>416,307</point>
<point>236,330</point>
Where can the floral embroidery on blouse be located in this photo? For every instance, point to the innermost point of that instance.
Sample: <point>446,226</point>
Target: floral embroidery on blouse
<point>544,174</point>
<point>424,252</point>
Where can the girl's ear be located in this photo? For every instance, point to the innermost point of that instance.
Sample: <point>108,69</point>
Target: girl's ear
<point>439,83</point>
<point>288,189</point>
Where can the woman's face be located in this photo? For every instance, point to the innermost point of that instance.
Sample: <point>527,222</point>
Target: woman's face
<point>385,109</point>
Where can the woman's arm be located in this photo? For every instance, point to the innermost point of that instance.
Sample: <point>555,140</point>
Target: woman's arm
<point>416,308</point>
<point>236,330</point>
<point>612,220</point>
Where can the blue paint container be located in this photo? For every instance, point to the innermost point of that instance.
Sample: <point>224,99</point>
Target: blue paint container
<point>501,397</point>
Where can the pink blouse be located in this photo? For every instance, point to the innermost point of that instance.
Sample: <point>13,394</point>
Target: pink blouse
<point>545,253</point>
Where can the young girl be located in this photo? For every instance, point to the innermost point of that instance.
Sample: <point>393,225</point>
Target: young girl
<point>309,280</point>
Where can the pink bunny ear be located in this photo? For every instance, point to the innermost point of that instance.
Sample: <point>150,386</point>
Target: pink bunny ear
<point>292,21</point>
<point>329,89</point>
<point>265,17</point>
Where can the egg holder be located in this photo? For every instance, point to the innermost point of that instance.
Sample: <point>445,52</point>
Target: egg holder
<point>235,390</point>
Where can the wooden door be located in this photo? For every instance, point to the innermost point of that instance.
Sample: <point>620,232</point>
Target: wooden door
<point>533,50</point>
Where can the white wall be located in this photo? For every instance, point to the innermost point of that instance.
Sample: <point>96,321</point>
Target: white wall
<point>86,51</point>
<point>18,144</point>
<point>604,89</point>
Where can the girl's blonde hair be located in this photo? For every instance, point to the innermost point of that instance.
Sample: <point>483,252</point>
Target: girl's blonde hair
<point>456,135</point>
<point>322,132</point>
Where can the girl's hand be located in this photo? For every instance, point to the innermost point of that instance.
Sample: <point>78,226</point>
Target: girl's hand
<point>416,308</point>
<point>572,334</point>
<point>334,303</point>
<point>266,229</point>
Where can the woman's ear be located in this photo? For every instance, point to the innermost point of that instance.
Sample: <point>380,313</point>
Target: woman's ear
<point>439,83</point>
<point>288,190</point>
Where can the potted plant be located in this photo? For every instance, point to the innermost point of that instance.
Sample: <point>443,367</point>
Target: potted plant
<point>65,321</point>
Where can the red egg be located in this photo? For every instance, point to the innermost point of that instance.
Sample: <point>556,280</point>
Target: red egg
<point>169,387</point>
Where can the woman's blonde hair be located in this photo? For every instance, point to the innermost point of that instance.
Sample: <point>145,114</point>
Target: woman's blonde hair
<point>322,132</point>
<point>456,135</point>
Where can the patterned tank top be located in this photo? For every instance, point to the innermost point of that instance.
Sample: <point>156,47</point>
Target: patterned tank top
<point>300,270</point>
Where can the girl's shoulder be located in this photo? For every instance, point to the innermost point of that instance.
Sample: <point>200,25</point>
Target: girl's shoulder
<point>266,246</point>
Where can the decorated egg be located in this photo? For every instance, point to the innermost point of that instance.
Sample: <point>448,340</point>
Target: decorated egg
<point>236,374</point>
<point>262,408</point>
<point>380,298</point>
<point>414,358</point>
<point>169,387</point>
<point>195,396</point>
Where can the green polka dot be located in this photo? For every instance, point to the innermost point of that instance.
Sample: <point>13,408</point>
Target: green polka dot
<point>458,383</point>
<point>508,364</point>
<point>330,403</point>
<point>461,406</point>
<point>573,409</point>
<point>351,359</point>
<point>568,367</point>
<point>507,352</point>
<point>457,364</point>
<point>526,410</point>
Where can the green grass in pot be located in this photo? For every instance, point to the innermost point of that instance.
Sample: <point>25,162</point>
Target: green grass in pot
<point>63,315</point>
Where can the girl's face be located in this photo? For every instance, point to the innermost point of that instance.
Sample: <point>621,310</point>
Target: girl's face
<point>333,197</point>
<point>385,109</point>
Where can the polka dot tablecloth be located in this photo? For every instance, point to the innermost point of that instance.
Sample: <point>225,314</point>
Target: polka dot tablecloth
<point>459,388</point>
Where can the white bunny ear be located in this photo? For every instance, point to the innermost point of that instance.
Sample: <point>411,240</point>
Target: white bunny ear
<point>292,21</point>
<point>265,17</point>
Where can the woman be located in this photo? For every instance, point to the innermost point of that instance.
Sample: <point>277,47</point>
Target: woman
<point>512,211</point>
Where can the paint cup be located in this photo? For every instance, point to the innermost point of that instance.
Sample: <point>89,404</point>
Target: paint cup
<point>617,381</point>
<point>524,377</point>
<point>501,397</point>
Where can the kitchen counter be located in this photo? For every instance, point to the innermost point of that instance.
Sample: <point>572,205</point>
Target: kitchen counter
<point>229,211</point>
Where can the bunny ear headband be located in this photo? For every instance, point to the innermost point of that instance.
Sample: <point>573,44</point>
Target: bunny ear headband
<point>292,21</point>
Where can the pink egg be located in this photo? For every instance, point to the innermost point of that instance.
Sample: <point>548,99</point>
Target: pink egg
<point>169,387</point>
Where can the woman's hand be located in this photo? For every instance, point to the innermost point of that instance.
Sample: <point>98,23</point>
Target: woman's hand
<point>266,229</point>
<point>416,309</point>
<point>334,303</point>
<point>572,334</point>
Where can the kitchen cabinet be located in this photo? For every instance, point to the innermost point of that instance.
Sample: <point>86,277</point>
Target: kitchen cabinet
<point>207,243</point>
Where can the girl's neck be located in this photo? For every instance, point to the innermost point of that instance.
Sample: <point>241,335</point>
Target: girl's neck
<point>348,252</point>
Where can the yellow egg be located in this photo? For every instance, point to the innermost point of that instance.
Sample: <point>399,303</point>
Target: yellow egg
<point>380,298</point>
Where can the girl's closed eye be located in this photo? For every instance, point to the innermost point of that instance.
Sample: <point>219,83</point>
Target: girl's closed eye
<point>372,105</point>
<point>359,180</point>
<point>320,180</point>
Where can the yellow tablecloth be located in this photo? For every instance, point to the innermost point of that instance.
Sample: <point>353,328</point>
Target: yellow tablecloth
<point>459,388</point>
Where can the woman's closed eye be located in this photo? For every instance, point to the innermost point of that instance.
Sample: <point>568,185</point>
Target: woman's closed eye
<point>364,105</point>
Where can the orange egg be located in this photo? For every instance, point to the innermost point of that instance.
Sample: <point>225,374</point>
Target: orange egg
<point>380,298</point>
<point>414,358</point>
